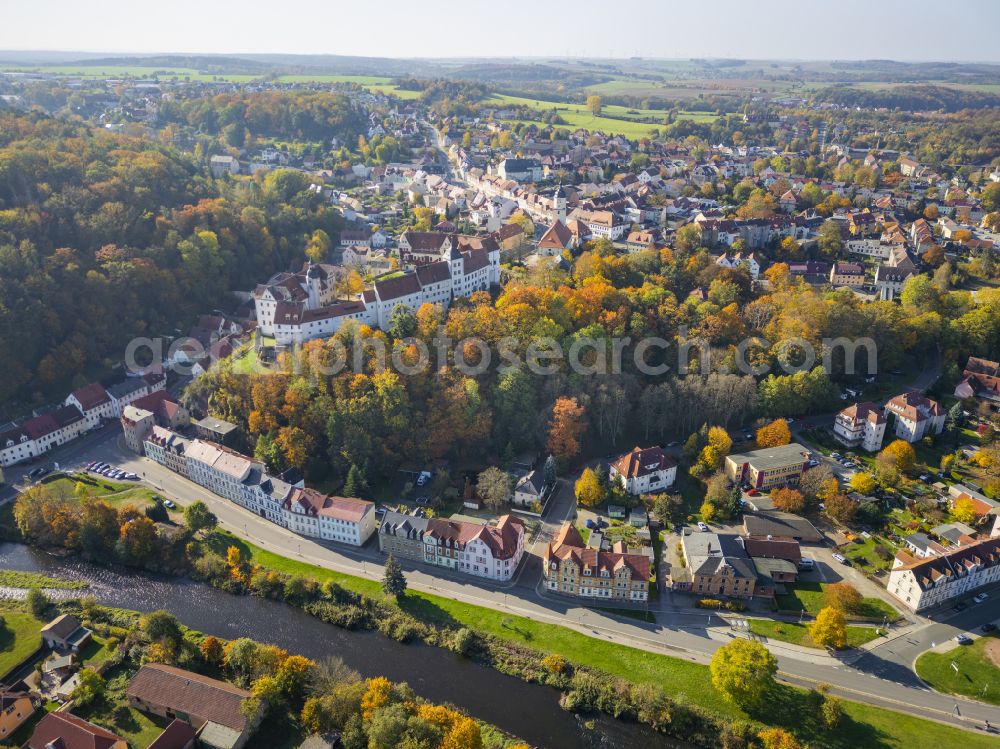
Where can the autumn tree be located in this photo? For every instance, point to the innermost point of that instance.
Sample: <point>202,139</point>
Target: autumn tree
<point>963,510</point>
<point>777,738</point>
<point>841,508</point>
<point>211,650</point>
<point>901,454</point>
<point>743,671</point>
<point>565,429</point>
<point>588,489</point>
<point>863,483</point>
<point>774,434</point>
<point>788,500</point>
<point>494,487</point>
<point>843,597</point>
<point>594,105</point>
<point>829,630</point>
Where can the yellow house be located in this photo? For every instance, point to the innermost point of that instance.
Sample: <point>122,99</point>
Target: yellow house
<point>15,708</point>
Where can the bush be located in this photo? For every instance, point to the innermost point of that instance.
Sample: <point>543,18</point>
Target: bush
<point>735,606</point>
<point>708,603</point>
<point>462,641</point>
<point>38,603</point>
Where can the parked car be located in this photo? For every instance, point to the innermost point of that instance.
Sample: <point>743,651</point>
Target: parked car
<point>963,639</point>
<point>813,463</point>
<point>807,563</point>
<point>980,598</point>
<point>35,473</point>
<point>960,607</point>
<point>989,627</point>
<point>841,558</point>
<point>753,493</point>
<point>590,523</point>
<point>702,526</point>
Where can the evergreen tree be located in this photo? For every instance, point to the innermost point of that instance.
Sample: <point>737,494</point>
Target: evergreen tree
<point>549,471</point>
<point>356,484</point>
<point>393,581</point>
<point>954,417</point>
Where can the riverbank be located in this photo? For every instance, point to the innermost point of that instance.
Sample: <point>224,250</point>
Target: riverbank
<point>687,685</point>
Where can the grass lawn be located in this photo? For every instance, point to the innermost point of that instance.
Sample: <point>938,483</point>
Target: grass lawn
<point>20,636</point>
<point>862,553</point>
<point>798,634</point>
<point>584,532</point>
<point>808,597</point>
<point>976,672</point>
<point>115,493</point>
<point>114,713</point>
<point>864,726</point>
<point>19,579</point>
<point>95,652</point>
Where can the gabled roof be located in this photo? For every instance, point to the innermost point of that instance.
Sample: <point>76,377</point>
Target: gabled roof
<point>556,237</point>
<point>91,396</point>
<point>397,287</point>
<point>191,693</point>
<point>568,546</point>
<point>643,461</point>
<point>65,731</point>
<point>951,566</point>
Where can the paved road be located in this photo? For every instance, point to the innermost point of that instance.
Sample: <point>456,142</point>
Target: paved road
<point>693,636</point>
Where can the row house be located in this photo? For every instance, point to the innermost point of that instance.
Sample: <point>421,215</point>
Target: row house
<point>36,436</point>
<point>571,568</point>
<point>94,403</point>
<point>167,448</point>
<point>714,565</point>
<point>481,550</point>
<point>219,469</point>
<point>602,223</point>
<point>921,584</point>
<point>342,519</point>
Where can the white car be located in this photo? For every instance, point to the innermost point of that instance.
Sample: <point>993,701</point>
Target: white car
<point>702,526</point>
<point>980,598</point>
<point>807,563</point>
<point>840,558</point>
<point>963,639</point>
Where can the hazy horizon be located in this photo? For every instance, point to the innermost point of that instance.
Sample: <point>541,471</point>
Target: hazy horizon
<point>767,30</point>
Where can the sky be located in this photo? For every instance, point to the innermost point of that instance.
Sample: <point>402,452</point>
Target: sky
<point>960,30</point>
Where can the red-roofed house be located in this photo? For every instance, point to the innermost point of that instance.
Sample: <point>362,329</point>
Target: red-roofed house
<point>476,549</point>
<point>556,239</point>
<point>65,731</point>
<point>343,519</point>
<point>572,569</point>
<point>922,583</point>
<point>981,379</point>
<point>916,416</point>
<point>644,471</point>
<point>94,403</point>
<point>861,424</point>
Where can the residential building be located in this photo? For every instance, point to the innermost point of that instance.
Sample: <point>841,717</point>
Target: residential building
<point>38,435</point>
<point>768,467</point>
<point>167,448</point>
<point>980,379</point>
<point>65,634</point>
<point>570,568</point>
<point>920,545</point>
<point>530,488</point>
<point>216,430</point>
<point>520,170</point>
<point>223,165</point>
<point>556,240</point>
<point>61,730</point>
<point>921,583</point>
<point>646,470</point>
<point>219,469</point>
<point>132,388</point>
<point>714,565</point>
<point>136,423</point>
<point>862,424</point>
<point>213,708</point>
<point>916,416</point>
<point>481,550</point>
<point>167,413</point>
<point>847,274</point>
<point>94,403</point>
<point>15,708</point>
<point>343,519</point>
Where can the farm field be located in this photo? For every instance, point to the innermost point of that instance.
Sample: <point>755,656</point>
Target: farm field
<point>621,120</point>
<point>127,71</point>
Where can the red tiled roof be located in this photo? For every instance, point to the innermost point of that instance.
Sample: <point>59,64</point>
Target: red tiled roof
<point>568,545</point>
<point>187,692</point>
<point>642,462</point>
<point>69,732</point>
<point>91,396</point>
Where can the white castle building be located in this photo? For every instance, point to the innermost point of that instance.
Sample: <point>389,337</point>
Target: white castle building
<point>298,307</point>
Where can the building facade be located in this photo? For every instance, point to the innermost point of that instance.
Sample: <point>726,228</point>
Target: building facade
<point>644,471</point>
<point>916,416</point>
<point>570,568</point>
<point>862,424</point>
<point>769,467</point>
<point>920,584</point>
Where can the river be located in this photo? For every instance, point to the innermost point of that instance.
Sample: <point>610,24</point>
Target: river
<point>530,711</point>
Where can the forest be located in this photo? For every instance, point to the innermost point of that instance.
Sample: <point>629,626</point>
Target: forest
<point>104,237</point>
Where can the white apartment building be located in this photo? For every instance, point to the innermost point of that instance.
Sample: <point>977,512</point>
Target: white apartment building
<point>342,519</point>
<point>167,448</point>
<point>38,435</point>
<point>862,424</point>
<point>920,584</point>
<point>219,469</point>
<point>644,471</point>
<point>94,402</point>
<point>916,416</point>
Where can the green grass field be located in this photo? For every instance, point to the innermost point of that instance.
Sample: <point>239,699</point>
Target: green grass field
<point>20,636</point>
<point>863,726</point>
<point>808,597</point>
<point>798,634</point>
<point>129,71</point>
<point>977,676</point>
<point>114,713</point>
<point>620,120</point>
<point>113,492</point>
<point>19,579</point>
